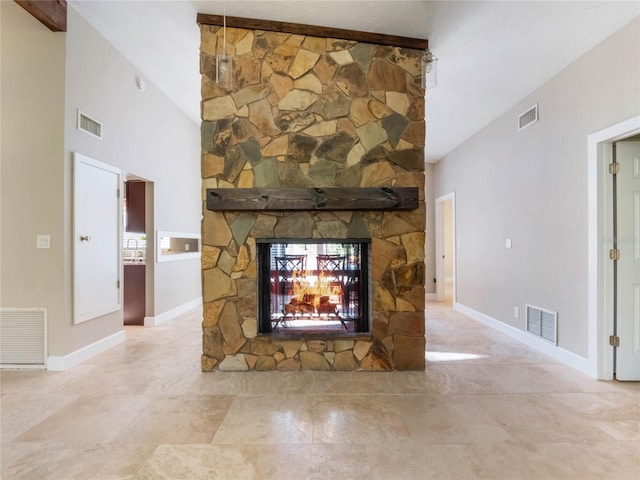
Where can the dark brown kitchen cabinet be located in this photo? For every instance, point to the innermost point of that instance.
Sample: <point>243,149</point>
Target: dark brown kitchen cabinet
<point>134,294</point>
<point>134,191</point>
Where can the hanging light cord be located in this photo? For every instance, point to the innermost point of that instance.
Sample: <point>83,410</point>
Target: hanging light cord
<point>224,27</point>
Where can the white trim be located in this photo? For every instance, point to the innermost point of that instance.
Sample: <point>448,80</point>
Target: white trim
<point>560,354</point>
<point>174,312</point>
<point>432,297</point>
<point>600,322</point>
<point>60,364</point>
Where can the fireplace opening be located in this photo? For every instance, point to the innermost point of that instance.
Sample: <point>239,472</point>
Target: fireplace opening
<point>313,286</point>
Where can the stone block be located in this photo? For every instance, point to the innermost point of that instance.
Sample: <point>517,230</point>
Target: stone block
<point>216,108</point>
<point>297,100</point>
<point>230,328</point>
<point>290,347</point>
<point>309,82</point>
<point>209,256</point>
<point>212,343</point>
<point>296,225</point>
<point>250,327</point>
<point>317,345</point>
<point>377,175</point>
<point>211,312</point>
<point>261,116</point>
<point>361,349</point>
<point>207,364</point>
<point>384,75</point>
<point>265,364</point>
<point>305,60</point>
<point>251,360</point>
<point>351,80</point>
<point>234,363</point>
<point>408,352</point>
<point>332,104</point>
<point>288,365</point>
<point>314,361</point>
<point>344,361</point>
<point>217,285</point>
<point>216,232</point>
<point>407,323</point>
<point>241,226</point>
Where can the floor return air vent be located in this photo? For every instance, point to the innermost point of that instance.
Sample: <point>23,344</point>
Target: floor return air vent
<point>542,323</point>
<point>23,337</point>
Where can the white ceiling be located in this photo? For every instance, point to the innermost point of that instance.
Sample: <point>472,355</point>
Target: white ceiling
<point>491,53</point>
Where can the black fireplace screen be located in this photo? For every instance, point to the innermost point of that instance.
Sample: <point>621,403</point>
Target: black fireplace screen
<point>313,286</point>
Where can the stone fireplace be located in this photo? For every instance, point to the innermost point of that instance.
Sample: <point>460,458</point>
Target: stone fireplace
<point>311,112</point>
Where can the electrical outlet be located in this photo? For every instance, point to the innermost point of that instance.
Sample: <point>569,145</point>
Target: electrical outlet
<point>43,241</point>
<point>516,312</point>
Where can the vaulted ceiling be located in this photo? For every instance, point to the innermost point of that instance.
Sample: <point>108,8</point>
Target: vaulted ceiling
<point>491,53</point>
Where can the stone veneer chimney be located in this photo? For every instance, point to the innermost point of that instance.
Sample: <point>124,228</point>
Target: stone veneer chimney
<point>312,112</point>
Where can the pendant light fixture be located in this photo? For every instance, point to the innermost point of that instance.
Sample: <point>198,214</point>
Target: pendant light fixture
<point>224,64</point>
<point>429,70</point>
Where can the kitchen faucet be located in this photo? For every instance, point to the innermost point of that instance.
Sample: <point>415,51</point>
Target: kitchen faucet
<point>135,240</point>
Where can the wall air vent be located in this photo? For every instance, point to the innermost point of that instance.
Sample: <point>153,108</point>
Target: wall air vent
<point>542,323</point>
<point>89,125</point>
<point>528,118</point>
<point>23,337</point>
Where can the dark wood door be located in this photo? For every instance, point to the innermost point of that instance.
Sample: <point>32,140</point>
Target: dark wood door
<point>134,294</point>
<point>135,206</point>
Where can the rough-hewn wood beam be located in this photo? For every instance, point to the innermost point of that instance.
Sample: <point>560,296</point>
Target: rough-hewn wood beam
<point>52,13</point>
<point>285,199</point>
<point>314,31</point>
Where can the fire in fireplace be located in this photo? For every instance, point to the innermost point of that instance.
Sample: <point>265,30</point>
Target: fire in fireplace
<point>308,286</point>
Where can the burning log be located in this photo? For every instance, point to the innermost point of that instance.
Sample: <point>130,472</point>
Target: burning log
<point>326,306</point>
<point>295,306</point>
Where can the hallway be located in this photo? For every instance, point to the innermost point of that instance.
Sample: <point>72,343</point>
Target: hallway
<point>486,407</point>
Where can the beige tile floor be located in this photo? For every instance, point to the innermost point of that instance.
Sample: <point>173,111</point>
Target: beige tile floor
<point>486,407</point>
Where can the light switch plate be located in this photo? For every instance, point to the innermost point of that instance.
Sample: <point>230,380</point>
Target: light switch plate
<point>43,241</point>
<point>507,243</point>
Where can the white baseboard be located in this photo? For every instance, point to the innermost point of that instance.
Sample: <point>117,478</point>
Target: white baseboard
<point>432,296</point>
<point>169,314</point>
<point>560,354</point>
<point>59,364</point>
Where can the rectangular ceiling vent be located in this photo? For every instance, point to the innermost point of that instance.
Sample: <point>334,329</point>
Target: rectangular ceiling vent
<point>542,323</point>
<point>528,118</point>
<point>89,125</point>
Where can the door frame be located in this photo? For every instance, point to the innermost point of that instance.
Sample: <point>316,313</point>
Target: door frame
<point>440,278</point>
<point>600,268</point>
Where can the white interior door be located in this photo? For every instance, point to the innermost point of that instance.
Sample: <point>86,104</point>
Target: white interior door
<point>445,244</point>
<point>628,278</point>
<point>96,238</point>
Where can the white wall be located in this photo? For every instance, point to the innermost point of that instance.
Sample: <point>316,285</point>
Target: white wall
<point>46,77</point>
<point>145,135</point>
<point>430,234</point>
<point>31,195</point>
<point>531,186</point>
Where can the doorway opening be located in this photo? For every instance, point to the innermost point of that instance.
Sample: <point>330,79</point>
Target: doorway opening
<point>446,248</point>
<point>137,251</point>
<point>604,240</point>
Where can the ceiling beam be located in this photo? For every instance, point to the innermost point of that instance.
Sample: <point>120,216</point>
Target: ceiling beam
<point>52,13</point>
<point>314,31</point>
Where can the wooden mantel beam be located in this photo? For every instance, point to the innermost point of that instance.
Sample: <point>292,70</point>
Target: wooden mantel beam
<point>52,13</point>
<point>314,31</point>
<point>285,199</point>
